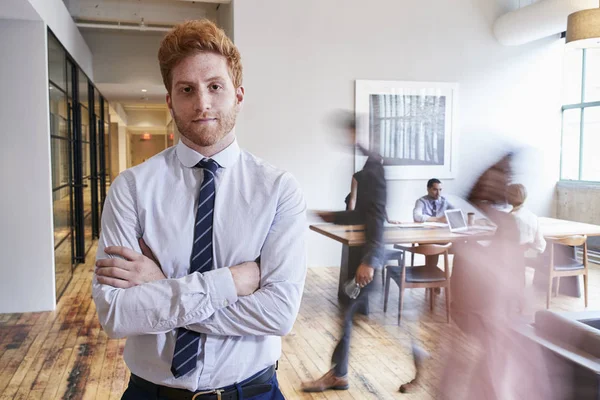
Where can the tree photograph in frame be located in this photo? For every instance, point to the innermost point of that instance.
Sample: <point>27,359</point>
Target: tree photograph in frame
<point>410,124</point>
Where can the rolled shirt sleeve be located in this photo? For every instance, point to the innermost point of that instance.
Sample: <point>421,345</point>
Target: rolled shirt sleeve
<point>273,308</point>
<point>154,307</point>
<point>418,215</point>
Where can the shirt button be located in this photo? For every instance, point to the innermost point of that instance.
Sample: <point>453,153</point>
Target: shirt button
<point>225,303</point>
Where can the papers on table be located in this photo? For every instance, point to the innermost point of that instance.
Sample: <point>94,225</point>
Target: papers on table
<point>410,225</point>
<point>436,224</point>
<point>416,225</point>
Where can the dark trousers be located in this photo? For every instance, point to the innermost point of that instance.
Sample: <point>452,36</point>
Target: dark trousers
<point>135,392</point>
<point>342,350</point>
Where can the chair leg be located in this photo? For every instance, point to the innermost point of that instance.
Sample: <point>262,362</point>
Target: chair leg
<point>585,289</point>
<point>431,294</point>
<point>549,292</point>
<point>447,294</point>
<point>386,292</point>
<point>382,275</point>
<point>400,300</point>
<point>557,285</point>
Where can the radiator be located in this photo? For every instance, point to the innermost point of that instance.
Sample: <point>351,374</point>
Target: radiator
<point>579,202</point>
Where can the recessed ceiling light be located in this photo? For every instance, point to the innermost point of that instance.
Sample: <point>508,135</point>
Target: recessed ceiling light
<point>144,90</point>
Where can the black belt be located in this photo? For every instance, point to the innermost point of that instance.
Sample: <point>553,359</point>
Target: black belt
<point>253,386</point>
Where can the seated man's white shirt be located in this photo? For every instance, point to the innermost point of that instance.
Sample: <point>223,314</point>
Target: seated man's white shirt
<point>529,229</point>
<point>259,211</point>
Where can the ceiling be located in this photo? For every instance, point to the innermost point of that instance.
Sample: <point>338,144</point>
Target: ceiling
<point>124,36</point>
<point>18,9</point>
<point>133,93</point>
<point>160,13</point>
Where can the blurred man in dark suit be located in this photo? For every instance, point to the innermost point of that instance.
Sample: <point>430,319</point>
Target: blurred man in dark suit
<point>369,209</point>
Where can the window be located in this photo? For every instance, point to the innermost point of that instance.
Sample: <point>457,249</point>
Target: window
<point>581,116</point>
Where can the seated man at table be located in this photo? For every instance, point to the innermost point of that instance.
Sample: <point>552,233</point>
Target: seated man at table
<point>431,207</point>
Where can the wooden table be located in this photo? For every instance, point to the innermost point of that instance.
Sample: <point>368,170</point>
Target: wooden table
<point>552,227</point>
<point>352,237</point>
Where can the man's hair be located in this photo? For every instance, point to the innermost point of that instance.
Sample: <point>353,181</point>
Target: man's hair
<point>432,182</point>
<point>516,194</point>
<point>193,37</point>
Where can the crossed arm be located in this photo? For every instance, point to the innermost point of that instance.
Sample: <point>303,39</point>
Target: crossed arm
<point>133,297</point>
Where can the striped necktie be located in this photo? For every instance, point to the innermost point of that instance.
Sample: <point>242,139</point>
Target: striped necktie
<point>188,342</point>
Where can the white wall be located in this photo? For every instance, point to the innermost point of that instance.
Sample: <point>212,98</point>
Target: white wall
<point>26,231</point>
<point>55,14</point>
<point>146,119</point>
<point>117,113</point>
<point>301,60</point>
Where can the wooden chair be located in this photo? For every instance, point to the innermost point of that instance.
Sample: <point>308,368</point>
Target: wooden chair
<point>392,255</point>
<point>426,277</point>
<point>568,267</point>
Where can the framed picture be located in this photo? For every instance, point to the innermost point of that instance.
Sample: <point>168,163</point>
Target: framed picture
<point>412,125</point>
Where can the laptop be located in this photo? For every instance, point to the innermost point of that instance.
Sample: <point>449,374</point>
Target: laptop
<point>458,224</point>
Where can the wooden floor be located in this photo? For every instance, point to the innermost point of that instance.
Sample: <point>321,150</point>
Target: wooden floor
<point>65,354</point>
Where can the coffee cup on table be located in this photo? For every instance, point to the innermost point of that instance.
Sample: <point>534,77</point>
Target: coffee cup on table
<point>471,218</point>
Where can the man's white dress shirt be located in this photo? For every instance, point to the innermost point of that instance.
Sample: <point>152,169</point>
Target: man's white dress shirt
<point>259,211</point>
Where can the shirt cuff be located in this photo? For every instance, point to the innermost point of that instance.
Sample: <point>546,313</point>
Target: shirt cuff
<point>221,287</point>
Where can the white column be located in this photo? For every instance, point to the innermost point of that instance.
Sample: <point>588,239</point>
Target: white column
<point>123,148</point>
<point>26,232</point>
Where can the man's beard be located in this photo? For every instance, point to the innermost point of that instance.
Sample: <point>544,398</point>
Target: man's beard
<point>210,133</point>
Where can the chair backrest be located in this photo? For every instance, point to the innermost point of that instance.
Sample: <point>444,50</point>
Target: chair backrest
<point>427,249</point>
<point>574,240</point>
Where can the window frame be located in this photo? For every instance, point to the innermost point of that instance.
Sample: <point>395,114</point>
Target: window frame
<point>582,105</point>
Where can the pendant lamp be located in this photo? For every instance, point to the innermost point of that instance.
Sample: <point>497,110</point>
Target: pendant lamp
<point>583,29</point>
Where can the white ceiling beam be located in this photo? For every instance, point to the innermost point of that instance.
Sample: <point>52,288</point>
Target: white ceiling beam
<point>152,12</point>
<point>122,27</point>
<point>538,20</point>
<point>208,1</point>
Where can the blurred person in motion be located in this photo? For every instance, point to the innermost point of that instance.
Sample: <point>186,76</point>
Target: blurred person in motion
<point>366,204</point>
<point>486,278</point>
<point>368,208</point>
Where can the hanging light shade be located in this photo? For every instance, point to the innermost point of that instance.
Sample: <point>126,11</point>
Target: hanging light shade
<point>583,29</point>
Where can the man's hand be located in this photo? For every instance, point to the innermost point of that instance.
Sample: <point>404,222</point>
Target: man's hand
<point>364,275</point>
<point>246,277</point>
<point>131,270</point>
<point>327,216</point>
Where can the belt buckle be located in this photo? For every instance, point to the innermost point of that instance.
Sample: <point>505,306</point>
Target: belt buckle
<point>215,391</point>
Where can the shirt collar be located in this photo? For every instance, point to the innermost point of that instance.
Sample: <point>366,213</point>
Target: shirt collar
<point>226,158</point>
